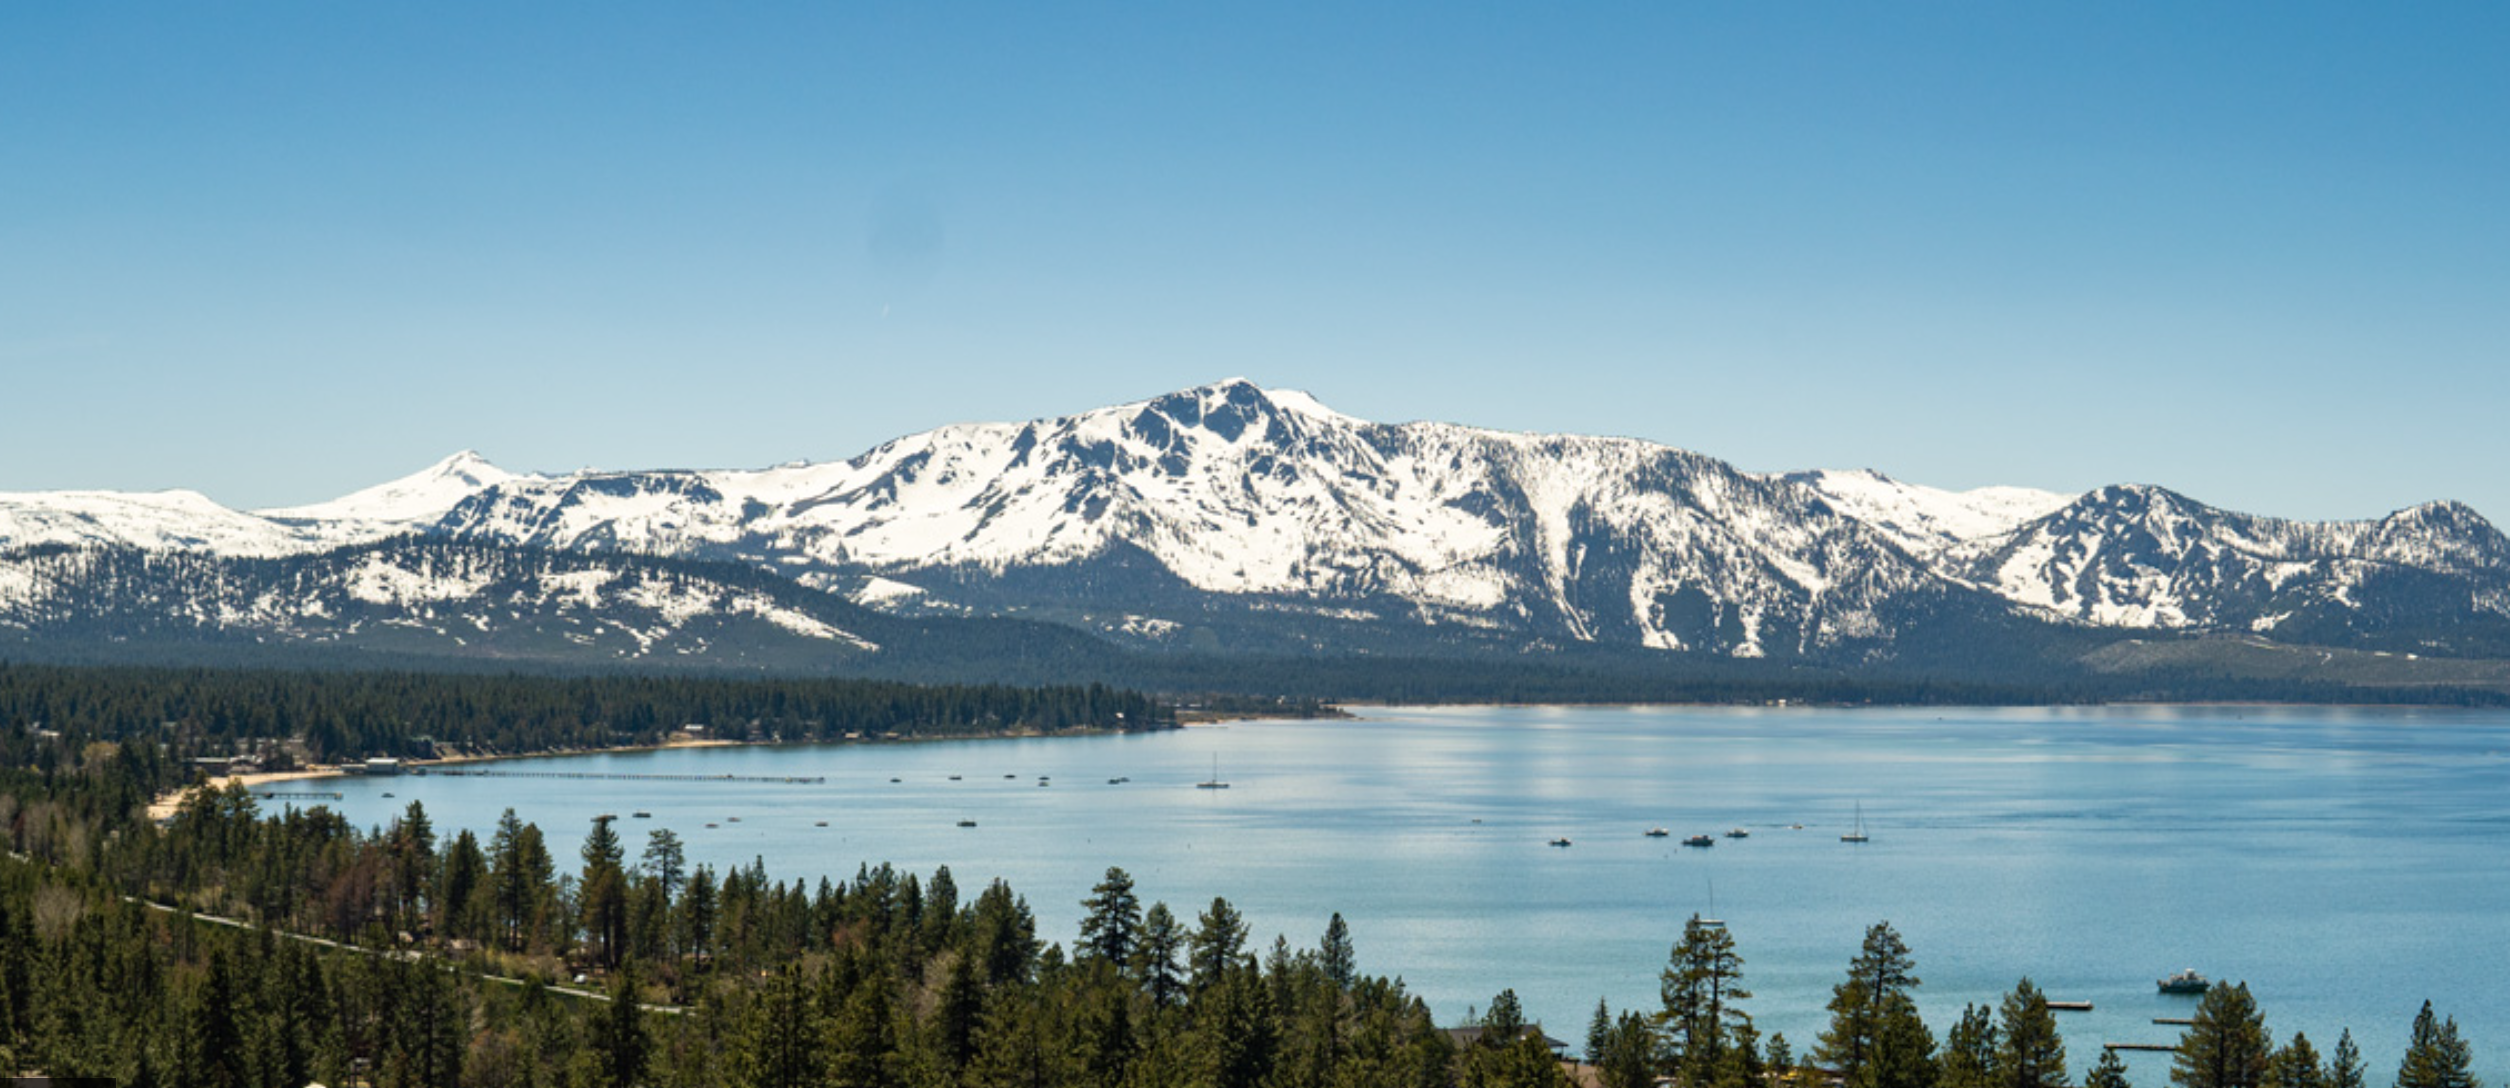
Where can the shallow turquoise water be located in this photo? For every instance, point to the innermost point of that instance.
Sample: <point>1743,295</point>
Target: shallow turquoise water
<point>2346,863</point>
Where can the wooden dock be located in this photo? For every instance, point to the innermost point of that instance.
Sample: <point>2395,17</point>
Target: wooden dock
<point>483,773</point>
<point>2175,1021</point>
<point>301,795</point>
<point>2070,1006</point>
<point>2158,1048</point>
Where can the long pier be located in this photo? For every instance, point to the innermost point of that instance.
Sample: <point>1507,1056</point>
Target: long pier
<point>2175,1021</point>
<point>302,795</point>
<point>2162,1048</point>
<point>2070,1006</point>
<point>809,781</point>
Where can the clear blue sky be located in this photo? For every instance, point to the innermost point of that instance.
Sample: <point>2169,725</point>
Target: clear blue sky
<point>2256,252</point>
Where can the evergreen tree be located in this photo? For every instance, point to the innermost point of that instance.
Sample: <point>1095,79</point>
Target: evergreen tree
<point>2434,1055</point>
<point>2344,1067</point>
<point>619,1036</point>
<point>1598,1032</point>
<point>665,860</point>
<point>2226,1046</point>
<point>1700,988</point>
<point>1339,960</point>
<point>601,896</point>
<point>412,842</point>
<point>779,1040</point>
<point>2030,1053</point>
<point>1880,972</point>
<point>1217,946</point>
<point>1902,1052</point>
<point>2108,1072</point>
<point>1155,960</point>
<point>1113,925</point>
<point>461,890</point>
<point>1629,1057</point>
<point>1969,1055</point>
<point>213,1047</point>
<point>2295,1066</point>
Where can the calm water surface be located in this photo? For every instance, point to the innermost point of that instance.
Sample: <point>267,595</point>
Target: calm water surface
<point>2346,863</point>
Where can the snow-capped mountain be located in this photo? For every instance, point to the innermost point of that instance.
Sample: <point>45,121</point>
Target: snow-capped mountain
<point>1233,518</point>
<point>1244,496</point>
<point>1927,520</point>
<point>2145,557</point>
<point>420,497</point>
<point>154,521</point>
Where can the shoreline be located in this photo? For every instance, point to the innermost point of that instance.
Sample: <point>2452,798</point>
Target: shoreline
<point>167,804</point>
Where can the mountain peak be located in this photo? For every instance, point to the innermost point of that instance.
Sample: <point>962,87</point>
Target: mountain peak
<point>419,496</point>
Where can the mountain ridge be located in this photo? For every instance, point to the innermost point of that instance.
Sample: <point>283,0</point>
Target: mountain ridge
<point>1228,513</point>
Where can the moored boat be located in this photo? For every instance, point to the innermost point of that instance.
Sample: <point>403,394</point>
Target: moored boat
<point>2185,982</point>
<point>1700,840</point>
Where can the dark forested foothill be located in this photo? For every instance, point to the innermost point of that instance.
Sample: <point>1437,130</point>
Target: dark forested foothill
<point>329,716</point>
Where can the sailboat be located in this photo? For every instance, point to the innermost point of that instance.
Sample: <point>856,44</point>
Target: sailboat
<point>1712,919</point>
<point>1214,782</point>
<point>1859,834</point>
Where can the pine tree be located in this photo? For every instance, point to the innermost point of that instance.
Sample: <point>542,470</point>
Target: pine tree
<point>1113,925</point>
<point>779,1043</point>
<point>1969,1055</point>
<point>619,1034</point>
<point>1340,961</point>
<point>2434,1056</point>
<point>2030,1053</point>
<point>1902,1054</point>
<point>2344,1067</point>
<point>1163,940</point>
<point>1880,972</point>
<point>2295,1066</point>
<point>665,860</point>
<point>1629,1058</point>
<point>2227,1045</point>
<point>213,1046</point>
<point>2108,1072</point>
<point>1699,989</point>
<point>1598,1032</point>
<point>601,896</point>
<point>1217,946</point>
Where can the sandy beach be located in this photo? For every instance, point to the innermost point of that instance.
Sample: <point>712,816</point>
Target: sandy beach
<point>165,806</point>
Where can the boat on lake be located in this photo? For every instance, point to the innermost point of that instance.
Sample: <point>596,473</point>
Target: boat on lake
<point>642,815</point>
<point>1857,835</point>
<point>2185,982</point>
<point>1561,841</point>
<point>1738,833</point>
<point>1699,840</point>
<point>1214,782</point>
<point>967,823</point>
<point>1653,832</point>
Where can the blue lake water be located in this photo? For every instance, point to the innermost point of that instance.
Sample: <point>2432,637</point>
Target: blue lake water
<point>2345,863</point>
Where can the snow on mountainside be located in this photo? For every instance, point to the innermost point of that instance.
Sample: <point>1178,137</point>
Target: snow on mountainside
<point>1236,491</point>
<point>502,602</point>
<point>156,521</point>
<point>422,496</point>
<point>1927,520</point>
<point>1228,516</point>
<point>2140,556</point>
